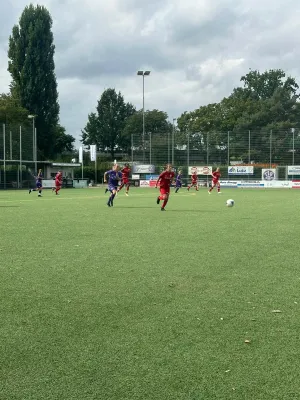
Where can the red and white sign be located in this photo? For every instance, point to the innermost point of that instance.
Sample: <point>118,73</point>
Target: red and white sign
<point>152,183</point>
<point>296,184</point>
<point>144,183</point>
<point>200,170</point>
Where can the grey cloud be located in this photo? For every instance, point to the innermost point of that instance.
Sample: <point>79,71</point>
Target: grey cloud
<point>191,34</point>
<point>113,60</point>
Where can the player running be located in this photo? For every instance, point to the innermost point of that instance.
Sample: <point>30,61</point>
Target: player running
<point>194,182</point>
<point>58,182</point>
<point>38,183</point>
<point>114,176</point>
<point>125,179</point>
<point>165,179</point>
<point>178,183</point>
<point>215,180</point>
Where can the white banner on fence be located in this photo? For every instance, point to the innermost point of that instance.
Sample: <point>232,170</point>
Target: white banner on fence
<point>200,170</point>
<point>135,176</point>
<point>48,183</point>
<point>278,184</point>
<point>253,184</point>
<point>144,183</point>
<point>93,152</point>
<point>243,170</point>
<point>268,174</point>
<point>143,169</point>
<point>232,184</point>
<point>294,170</point>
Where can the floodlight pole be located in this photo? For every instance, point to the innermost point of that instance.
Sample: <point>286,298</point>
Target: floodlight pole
<point>34,156</point>
<point>173,141</point>
<point>144,118</point>
<point>143,74</point>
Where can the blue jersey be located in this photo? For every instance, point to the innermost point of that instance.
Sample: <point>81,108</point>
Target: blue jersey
<point>178,180</point>
<point>113,178</point>
<point>39,179</point>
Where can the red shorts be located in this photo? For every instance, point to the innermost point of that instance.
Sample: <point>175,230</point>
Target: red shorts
<point>125,181</point>
<point>164,190</point>
<point>215,182</point>
<point>57,183</point>
<point>194,182</point>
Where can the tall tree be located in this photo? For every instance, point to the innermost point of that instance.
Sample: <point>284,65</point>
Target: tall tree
<point>105,128</point>
<point>267,101</point>
<point>31,65</point>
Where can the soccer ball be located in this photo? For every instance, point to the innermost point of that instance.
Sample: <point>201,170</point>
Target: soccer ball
<point>230,203</point>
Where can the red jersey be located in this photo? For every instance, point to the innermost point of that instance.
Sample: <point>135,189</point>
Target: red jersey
<point>194,178</point>
<point>125,173</point>
<point>165,179</point>
<point>216,176</point>
<point>58,178</point>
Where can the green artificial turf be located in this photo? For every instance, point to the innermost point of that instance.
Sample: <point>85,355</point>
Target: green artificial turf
<point>130,303</point>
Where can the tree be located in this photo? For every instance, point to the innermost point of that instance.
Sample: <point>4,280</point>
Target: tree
<point>13,115</point>
<point>31,65</point>
<point>155,122</point>
<point>267,102</point>
<point>11,110</point>
<point>156,125</point>
<point>105,128</point>
<point>63,142</point>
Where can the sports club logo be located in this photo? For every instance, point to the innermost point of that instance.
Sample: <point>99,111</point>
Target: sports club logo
<point>268,175</point>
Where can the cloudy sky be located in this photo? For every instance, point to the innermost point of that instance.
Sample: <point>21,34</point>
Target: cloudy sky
<point>196,50</point>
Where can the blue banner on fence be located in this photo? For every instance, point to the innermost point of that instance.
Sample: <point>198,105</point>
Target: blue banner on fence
<point>151,177</point>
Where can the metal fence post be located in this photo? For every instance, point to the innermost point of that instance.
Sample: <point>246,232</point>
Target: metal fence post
<point>271,149</point>
<point>21,175</point>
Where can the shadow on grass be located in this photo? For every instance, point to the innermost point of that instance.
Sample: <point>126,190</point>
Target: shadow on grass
<point>8,206</point>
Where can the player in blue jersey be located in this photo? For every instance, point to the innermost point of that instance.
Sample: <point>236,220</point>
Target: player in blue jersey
<point>114,176</point>
<point>178,183</point>
<point>38,183</point>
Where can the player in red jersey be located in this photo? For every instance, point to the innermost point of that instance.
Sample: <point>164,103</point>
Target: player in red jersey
<point>194,182</point>
<point>215,180</point>
<point>125,179</point>
<point>164,180</point>
<point>58,182</point>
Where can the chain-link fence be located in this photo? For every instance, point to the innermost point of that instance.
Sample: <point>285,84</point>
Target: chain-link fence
<point>262,148</point>
<point>17,156</point>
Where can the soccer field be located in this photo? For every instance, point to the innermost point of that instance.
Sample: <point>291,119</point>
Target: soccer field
<point>129,302</point>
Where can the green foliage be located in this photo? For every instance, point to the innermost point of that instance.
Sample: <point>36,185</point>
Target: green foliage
<point>11,110</point>
<point>89,171</point>
<point>155,122</point>
<point>63,142</point>
<point>268,102</point>
<point>31,65</point>
<point>105,128</point>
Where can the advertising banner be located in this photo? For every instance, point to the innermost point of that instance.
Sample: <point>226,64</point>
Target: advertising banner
<point>229,184</point>
<point>294,170</point>
<point>200,170</point>
<point>144,183</point>
<point>244,170</point>
<point>143,169</point>
<point>296,184</point>
<point>256,184</point>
